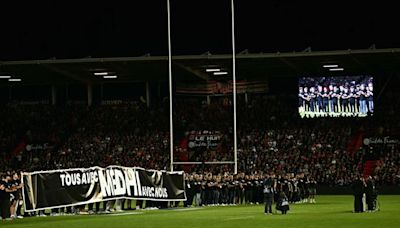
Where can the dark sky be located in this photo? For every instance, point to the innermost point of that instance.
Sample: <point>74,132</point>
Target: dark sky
<point>104,30</point>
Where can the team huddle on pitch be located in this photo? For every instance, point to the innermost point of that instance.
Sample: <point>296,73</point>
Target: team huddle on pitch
<point>228,189</point>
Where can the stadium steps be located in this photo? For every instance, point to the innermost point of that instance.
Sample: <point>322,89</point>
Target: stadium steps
<point>369,168</point>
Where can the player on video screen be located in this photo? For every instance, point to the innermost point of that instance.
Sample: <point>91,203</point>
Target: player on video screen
<point>352,99</point>
<point>357,92</point>
<point>330,98</point>
<point>370,97</point>
<point>306,98</point>
<point>325,99</point>
<point>312,97</point>
<point>301,100</point>
<point>345,100</point>
<point>363,100</point>
<point>341,91</point>
<point>334,99</point>
<point>319,98</point>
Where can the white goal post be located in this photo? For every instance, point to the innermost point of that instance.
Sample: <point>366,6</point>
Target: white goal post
<point>172,163</point>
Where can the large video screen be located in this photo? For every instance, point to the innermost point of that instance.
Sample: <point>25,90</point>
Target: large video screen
<point>346,96</point>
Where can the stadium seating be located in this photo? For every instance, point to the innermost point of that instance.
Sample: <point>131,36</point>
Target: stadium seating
<point>271,137</point>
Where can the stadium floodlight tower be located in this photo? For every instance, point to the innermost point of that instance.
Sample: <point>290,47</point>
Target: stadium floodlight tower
<point>172,163</point>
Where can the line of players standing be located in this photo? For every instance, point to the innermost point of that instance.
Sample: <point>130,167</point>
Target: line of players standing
<point>353,99</point>
<point>201,190</point>
<point>228,189</point>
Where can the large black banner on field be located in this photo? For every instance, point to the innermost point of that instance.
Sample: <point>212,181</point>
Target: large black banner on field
<point>60,188</point>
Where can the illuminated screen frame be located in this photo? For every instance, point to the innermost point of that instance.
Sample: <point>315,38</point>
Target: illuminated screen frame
<point>336,96</point>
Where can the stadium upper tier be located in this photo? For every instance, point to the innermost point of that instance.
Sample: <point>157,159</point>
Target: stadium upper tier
<point>255,66</point>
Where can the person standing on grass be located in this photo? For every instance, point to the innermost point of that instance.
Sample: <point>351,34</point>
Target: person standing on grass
<point>2,198</point>
<point>358,191</point>
<point>197,189</point>
<point>189,190</point>
<point>16,185</point>
<point>370,194</point>
<point>312,189</point>
<point>268,191</point>
<point>231,190</point>
<point>5,191</point>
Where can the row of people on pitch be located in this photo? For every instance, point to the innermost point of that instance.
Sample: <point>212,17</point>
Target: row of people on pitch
<point>10,196</point>
<point>230,189</point>
<point>354,99</point>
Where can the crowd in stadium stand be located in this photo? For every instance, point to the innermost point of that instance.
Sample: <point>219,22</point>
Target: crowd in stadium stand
<point>271,137</point>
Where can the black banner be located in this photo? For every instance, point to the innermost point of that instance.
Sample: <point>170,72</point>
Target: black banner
<point>60,188</point>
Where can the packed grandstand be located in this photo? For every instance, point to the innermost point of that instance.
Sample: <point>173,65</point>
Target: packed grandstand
<point>271,138</point>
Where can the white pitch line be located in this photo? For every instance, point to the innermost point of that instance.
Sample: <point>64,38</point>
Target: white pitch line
<point>128,213</point>
<point>239,218</point>
<point>186,209</point>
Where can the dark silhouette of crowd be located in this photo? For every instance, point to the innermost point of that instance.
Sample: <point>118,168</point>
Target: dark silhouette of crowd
<point>271,137</point>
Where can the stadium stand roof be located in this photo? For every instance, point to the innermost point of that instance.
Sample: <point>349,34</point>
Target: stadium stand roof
<point>192,67</point>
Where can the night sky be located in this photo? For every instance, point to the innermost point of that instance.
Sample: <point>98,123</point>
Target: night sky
<point>39,31</point>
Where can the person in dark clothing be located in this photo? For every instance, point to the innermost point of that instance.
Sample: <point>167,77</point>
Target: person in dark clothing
<point>325,100</point>
<point>283,203</point>
<point>336,97</point>
<point>319,94</point>
<point>189,191</point>
<point>363,99</point>
<point>268,191</point>
<point>301,100</point>
<point>358,191</point>
<point>295,195</point>
<point>370,194</point>
<point>345,100</point>
<point>312,189</point>
<point>312,97</point>
<point>260,193</point>
<point>2,197</point>
<point>204,191</point>
<point>241,191</point>
<point>231,190</point>
<point>248,192</point>
<point>197,190</point>
<point>224,191</point>
<point>216,190</point>
<point>91,208</point>
<point>352,100</point>
<point>370,98</point>
<point>306,99</point>
<point>6,189</point>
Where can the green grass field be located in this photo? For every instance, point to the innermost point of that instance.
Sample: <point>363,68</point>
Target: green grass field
<point>329,211</point>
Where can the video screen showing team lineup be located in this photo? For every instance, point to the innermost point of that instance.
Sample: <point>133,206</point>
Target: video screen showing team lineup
<point>344,96</point>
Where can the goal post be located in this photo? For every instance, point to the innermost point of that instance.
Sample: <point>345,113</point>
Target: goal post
<point>172,163</point>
